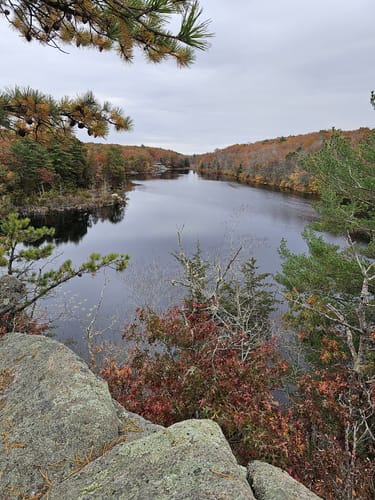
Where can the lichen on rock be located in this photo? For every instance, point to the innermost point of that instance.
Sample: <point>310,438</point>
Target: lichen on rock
<point>271,483</point>
<point>190,460</point>
<point>12,292</point>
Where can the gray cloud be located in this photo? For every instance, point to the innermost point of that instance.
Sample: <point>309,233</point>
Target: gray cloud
<point>274,68</point>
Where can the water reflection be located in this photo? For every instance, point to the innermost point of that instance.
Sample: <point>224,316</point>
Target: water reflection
<point>168,174</point>
<point>72,225</point>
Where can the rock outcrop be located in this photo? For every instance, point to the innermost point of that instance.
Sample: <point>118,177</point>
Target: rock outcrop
<point>12,292</point>
<point>63,437</point>
<point>271,483</point>
<point>55,415</point>
<point>189,460</point>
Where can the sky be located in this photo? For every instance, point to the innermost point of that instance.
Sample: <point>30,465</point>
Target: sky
<point>274,68</point>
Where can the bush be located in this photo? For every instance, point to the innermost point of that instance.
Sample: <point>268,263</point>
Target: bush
<point>185,365</point>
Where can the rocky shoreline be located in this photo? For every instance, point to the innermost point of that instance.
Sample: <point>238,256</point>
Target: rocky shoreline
<point>71,202</point>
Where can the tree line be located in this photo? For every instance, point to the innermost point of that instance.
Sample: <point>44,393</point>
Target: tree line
<point>272,162</point>
<point>30,168</point>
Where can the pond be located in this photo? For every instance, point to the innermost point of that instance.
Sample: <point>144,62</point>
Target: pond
<point>222,216</point>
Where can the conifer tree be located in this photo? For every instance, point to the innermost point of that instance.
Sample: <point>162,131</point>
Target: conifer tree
<point>27,112</point>
<point>18,254</point>
<point>119,25</point>
<point>332,288</point>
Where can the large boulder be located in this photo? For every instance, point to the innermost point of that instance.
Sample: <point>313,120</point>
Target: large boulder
<point>190,460</point>
<point>55,415</point>
<point>271,483</point>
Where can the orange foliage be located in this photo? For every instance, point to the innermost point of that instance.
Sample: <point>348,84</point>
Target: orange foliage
<point>274,162</point>
<point>142,156</point>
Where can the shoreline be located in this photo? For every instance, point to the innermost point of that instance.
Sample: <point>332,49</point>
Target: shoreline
<point>303,193</point>
<point>82,200</point>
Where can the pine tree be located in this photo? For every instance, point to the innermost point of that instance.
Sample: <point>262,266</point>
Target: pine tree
<point>20,248</point>
<point>27,112</point>
<point>332,288</point>
<point>119,25</point>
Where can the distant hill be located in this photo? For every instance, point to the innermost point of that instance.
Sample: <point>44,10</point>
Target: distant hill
<point>138,159</point>
<point>271,162</point>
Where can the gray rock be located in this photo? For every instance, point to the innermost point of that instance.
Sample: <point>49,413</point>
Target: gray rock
<point>55,415</point>
<point>12,292</point>
<point>271,483</point>
<point>190,460</point>
<point>133,425</point>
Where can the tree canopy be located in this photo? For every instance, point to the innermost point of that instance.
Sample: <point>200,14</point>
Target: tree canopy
<point>113,25</point>
<point>345,178</point>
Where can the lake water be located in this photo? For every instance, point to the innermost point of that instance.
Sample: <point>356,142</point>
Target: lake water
<point>222,216</point>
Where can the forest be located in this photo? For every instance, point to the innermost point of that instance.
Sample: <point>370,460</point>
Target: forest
<point>276,163</point>
<point>34,172</point>
<point>217,356</point>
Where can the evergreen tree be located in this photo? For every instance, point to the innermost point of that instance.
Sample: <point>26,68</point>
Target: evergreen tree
<point>29,160</point>
<point>69,161</point>
<point>114,167</point>
<point>28,112</point>
<point>331,293</point>
<point>118,25</point>
<point>18,255</point>
<point>332,289</point>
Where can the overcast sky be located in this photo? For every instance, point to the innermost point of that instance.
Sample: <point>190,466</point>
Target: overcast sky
<point>275,67</point>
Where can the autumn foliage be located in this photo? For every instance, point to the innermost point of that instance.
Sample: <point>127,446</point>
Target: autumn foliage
<point>183,364</point>
<point>271,162</point>
<point>336,410</point>
<point>30,169</point>
<point>161,29</point>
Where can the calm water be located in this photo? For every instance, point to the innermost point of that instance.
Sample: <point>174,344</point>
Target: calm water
<point>221,216</point>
